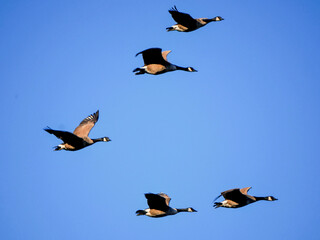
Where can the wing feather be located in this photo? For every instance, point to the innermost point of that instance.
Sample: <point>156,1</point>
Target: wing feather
<point>66,137</point>
<point>165,54</point>
<point>156,201</point>
<point>183,18</point>
<point>245,190</point>
<point>86,125</point>
<point>168,199</point>
<point>152,56</point>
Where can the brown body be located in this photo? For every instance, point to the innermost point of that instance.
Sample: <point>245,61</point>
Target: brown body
<point>235,198</point>
<point>155,63</point>
<point>79,138</point>
<point>186,23</point>
<point>159,206</point>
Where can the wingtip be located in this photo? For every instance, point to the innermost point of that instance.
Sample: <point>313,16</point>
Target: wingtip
<point>216,198</point>
<point>47,129</point>
<point>173,9</point>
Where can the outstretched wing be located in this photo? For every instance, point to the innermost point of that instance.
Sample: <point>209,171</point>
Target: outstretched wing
<point>156,201</point>
<point>245,190</point>
<point>168,199</point>
<point>66,137</point>
<point>165,54</point>
<point>153,56</point>
<point>232,194</point>
<point>217,198</point>
<point>183,18</point>
<point>86,125</point>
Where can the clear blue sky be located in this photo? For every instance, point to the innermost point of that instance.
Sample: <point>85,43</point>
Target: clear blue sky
<point>249,117</point>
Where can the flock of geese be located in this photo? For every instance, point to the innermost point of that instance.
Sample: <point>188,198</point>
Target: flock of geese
<point>155,62</point>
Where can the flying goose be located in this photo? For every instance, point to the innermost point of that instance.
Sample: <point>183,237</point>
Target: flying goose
<point>159,206</point>
<point>79,138</point>
<point>155,62</point>
<point>235,198</point>
<point>186,23</point>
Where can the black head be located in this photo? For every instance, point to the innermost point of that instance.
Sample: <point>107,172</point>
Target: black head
<point>191,210</point>
<point>106,139</point>
<point>271,198</point>
<point>191,69</point>
<point>218,18</point>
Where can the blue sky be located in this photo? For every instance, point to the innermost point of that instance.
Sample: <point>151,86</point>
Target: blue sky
<point>249,117</point>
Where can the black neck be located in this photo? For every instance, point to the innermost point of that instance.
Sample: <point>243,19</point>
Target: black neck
<point>182,209</point>
<point>97,140</point>
<point>182,68</point>
<point>209,20</point>
<point>261,198</point>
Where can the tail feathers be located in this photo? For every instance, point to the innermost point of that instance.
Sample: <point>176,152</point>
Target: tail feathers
<point>57,148</point>
<point>139,71</point>
<point>170,29</point>
<point>217,204</point>
<point>141,212</point>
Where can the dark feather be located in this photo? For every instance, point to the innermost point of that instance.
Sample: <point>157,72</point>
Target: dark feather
<point>153,56</point>
<point>156,201</point>
<point>183,18</point>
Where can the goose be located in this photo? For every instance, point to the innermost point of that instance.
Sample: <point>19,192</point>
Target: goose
<point>155,62</point>
<point>186,23</point>
<point>235,198</point>
<point>159,206</point>
<point>79,138</point>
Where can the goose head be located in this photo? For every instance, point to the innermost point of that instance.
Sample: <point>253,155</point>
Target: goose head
<point>271,198</point>
<point>191,210</point>
<point>106,139</point>
<point>191,69</point>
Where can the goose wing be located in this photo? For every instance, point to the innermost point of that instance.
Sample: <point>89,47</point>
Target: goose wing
<point>153,56</point>
<point>183,18</point>
<point>66,137</point>
<point>165,54</point>
<point>245,190</point>
<point>156,201</point>
<point>233,194</point>
<point>168,199</point>
<point>86,125</point>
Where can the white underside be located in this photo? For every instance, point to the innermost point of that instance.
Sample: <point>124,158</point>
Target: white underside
<point>225,203</point>
<point>176,27</point>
